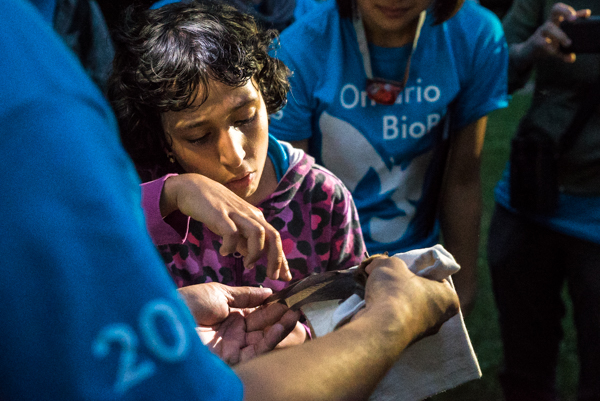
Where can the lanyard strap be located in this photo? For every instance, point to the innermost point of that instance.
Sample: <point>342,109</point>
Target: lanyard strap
<point>363,46</point>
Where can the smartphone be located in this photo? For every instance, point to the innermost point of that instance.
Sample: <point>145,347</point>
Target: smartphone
<point>584,34</point>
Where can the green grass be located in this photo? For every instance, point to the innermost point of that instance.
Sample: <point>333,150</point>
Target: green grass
<point>482,321</point>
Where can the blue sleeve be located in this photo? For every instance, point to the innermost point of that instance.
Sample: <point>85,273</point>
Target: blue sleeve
<point>88,310</point>
<point>484,78</point>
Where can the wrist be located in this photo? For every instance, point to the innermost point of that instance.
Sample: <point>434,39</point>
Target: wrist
<point>168,196</point>
<point>390,323</point>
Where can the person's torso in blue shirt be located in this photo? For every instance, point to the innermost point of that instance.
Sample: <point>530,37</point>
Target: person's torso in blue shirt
<point>383,153</point>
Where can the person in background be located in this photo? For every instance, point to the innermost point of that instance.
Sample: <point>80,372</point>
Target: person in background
<point>193,100</point>
<point>269,14</point>
<point>87,307</point>
<point>532,254</point>
<point>82,26</point>
<point>307,6</point>
<point>372,85</point>
<point>499,7</point>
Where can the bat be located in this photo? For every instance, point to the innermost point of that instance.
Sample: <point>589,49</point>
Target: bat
<point>317,287</point>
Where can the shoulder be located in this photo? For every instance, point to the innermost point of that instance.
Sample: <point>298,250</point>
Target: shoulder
<point>477,43</point>
<point>473,21</point>
<point>307,33</point>
<point>316,22</point>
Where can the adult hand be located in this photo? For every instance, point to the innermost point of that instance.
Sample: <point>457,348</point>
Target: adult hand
<point>418,304</point>
<point>400,308</point>
<point>232,325</point>
<point>242,226</point>
<point>548,38</point>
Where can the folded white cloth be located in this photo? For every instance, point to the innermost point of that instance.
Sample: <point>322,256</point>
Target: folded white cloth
<point>430,366</point>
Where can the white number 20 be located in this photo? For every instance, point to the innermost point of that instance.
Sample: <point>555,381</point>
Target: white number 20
<point>131,370</point>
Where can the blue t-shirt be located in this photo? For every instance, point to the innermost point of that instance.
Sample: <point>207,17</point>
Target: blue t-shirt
<point>307,6</point>
<point>88,310</point>
<point>384,153</point>
<point>575,215</point>
<point>46,7</point>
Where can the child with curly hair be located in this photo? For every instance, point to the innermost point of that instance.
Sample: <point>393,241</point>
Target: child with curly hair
<point>193,86</point>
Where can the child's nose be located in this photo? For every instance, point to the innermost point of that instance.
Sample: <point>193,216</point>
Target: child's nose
<point>231,149</point>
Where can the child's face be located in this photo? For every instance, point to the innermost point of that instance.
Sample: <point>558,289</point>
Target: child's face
<point>225,138</point>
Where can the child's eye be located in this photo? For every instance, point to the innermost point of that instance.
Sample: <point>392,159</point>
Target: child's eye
<point>247,121</point>
<point>199,140</point>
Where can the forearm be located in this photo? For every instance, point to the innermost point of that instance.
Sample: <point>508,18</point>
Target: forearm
<point>349,363</point>
<point>521,56</point>
<point>460,222</point>
<point>344,365</point>
<point>521,62</point>
<point>461,207</point>
<point>519,25</point>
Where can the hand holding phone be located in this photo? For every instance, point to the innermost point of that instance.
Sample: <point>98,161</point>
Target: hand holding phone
<point>584,34</point>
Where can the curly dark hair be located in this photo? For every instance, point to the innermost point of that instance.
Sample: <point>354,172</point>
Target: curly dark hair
<point>166,57</point>
<point>443,10</point>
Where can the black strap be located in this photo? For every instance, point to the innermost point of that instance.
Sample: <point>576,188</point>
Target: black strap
<point>582,116</point>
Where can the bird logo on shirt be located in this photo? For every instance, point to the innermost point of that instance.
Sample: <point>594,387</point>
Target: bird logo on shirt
<point>350,156</point>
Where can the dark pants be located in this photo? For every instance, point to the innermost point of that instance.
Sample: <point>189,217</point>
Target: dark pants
<point>529,265</point>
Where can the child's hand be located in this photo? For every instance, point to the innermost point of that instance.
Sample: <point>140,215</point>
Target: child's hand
<point>242,226</point>
<point>232,325</point>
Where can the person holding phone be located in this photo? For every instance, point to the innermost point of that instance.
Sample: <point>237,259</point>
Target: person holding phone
<point>532,255</point>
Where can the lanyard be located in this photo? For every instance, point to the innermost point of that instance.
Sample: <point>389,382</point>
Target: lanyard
<point>363,46</point>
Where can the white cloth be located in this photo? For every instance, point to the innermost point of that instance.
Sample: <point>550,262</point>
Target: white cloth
<point>430,366</point>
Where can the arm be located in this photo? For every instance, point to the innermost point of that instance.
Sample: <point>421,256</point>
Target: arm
<point>461,207</point>
<point>242,226</point>
<point>348,363</point>
<point>163,229</point>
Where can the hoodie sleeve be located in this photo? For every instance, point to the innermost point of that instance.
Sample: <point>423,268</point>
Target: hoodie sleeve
<point>173,229</point>
<point>347,244</point>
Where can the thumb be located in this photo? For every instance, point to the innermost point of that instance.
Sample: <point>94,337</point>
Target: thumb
<point>247,297</point>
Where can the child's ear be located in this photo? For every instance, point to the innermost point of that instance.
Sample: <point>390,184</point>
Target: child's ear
<point>170,155</point>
